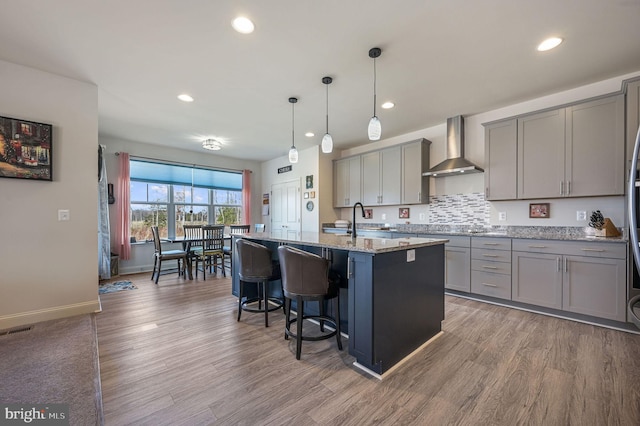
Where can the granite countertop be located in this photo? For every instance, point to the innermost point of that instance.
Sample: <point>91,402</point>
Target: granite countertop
<point>344,242</point>
<point>562,233</point>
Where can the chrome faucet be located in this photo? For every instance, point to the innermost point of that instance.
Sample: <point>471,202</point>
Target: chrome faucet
<point>353,222</point>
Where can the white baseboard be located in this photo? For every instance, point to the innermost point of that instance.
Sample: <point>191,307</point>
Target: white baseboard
<point>32,317</point>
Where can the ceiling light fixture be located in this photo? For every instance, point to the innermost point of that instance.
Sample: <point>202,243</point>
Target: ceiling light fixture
<point>388,105</point>
<point>309,134</point>
<point>549,44</point>
<point>375,128</point>
<point>327,140</point>
<point>212,145</point>
<point>185,98</point>
<point>243,25</point>
<point>293,152</point>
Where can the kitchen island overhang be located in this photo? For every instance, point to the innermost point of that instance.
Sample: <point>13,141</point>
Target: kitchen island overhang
<point>394,291</point>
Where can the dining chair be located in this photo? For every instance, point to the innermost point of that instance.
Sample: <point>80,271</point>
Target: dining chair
<point>228,249</point>
<point>211,250</point>
<point>159,256</point>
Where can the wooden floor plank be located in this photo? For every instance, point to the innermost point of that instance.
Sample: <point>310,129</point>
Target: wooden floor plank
<point>173,354</point>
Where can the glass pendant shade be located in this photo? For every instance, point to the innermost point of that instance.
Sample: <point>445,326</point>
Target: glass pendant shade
<point>327,143</point>
<point>293,155</point>
<point>375,129</point>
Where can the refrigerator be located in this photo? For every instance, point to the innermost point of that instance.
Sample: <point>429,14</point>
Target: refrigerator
<point>633,212</point>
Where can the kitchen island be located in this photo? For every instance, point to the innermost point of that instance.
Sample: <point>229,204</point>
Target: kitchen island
<point>394,291</point>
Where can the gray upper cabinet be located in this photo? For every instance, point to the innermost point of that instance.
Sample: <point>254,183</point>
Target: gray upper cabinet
<point>500,160</point>
<point>594,150</point>
<point>575,151</point>
<point>346,181</point>
<point>541,154</point>
<point>381,181</point>
<point>415,161</point>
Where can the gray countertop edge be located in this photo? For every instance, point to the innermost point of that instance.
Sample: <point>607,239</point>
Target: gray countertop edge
<point>363,244</point>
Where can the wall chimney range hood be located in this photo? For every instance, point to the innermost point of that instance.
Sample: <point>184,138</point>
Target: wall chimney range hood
<point>455,163</point>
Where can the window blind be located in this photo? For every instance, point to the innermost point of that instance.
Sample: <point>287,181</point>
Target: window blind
<point>149,171</point>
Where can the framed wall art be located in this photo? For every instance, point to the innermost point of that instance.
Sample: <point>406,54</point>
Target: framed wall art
<point>539,210</point>
<point>25,149</point>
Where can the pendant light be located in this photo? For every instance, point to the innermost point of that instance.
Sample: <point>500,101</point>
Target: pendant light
<point>327,140</point>
<point>293,152</point>
<point>375,128</point>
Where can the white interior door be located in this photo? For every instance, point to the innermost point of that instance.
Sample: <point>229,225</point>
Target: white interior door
<point>285,212</point>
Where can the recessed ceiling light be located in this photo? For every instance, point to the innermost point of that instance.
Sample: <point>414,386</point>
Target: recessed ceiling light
<point>243,25</point>
<point>309,134</point>
<point>549,44</point>
<point>185,98</point>
<point>388,105</point>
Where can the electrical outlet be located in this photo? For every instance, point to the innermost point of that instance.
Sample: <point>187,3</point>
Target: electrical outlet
<point>502,215</point>
<point>422,216</point>
<point>581,215</point>
<point>384,216</point>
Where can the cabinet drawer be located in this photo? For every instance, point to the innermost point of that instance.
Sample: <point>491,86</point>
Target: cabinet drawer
<point>491,255</point>
<point>491,243</point>
<point>575,248</point>
<point>492,267</point>
<point>454,240</point>
<point>488,284</point>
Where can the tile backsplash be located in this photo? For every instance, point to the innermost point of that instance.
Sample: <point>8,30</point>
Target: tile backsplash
<point>459,209</point>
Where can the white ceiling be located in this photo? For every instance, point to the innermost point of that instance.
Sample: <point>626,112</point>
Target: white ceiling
<point>439,58</point>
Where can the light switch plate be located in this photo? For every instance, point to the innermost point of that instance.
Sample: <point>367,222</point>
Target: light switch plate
<point>384,216</point>
<point>581,215</point>
<point>411,255</point>
<point>502,215</point>
<point>63,215</point>
<point>422,216</point>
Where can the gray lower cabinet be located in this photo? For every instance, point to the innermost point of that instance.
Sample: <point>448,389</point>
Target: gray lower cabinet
<point>457,262</point>
<point>491,267</point>
<point>585,278</point>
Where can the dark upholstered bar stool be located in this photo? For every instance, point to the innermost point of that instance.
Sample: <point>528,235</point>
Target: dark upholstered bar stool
<point>305,277</point>
<point>256,266</point>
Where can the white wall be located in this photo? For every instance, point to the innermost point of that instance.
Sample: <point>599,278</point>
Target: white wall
<point>50,268</point>
<point>142,253</point>
<point>563,211</point>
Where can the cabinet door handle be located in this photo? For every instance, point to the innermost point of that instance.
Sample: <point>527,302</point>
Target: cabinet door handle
<point>538,247</point>
<point>486,190</point>
<point>566,266</point>
<point>419,196</point>
<point>490,255</point>
<point>561,187</point>
<point>489,285</point>
<point>558,261</point>
<point>349,271</point>
<point>568,187</point>
<point>489,267</point>
<point>591,249</point>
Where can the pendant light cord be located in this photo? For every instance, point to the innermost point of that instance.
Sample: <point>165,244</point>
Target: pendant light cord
<point>293,139</point>
<point>374,87</point>
<point>327,108</point>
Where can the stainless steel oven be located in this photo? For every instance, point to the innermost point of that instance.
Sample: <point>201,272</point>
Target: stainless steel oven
<point>633,212</point>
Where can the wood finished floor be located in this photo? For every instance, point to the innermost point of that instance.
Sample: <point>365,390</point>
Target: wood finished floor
<point>173,354</point>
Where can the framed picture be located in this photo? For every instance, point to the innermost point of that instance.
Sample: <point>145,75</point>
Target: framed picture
<point>309,181</point>
<point>368,213</point>
<point>539,210</point>
<point>403,213</point>
<point>25,149</point>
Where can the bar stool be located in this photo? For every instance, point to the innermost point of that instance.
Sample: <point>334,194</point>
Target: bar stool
<point>256,266</point>
<point>305,278</point>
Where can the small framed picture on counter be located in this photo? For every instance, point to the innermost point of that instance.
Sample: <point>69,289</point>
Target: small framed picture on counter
<point>539,210</point>
<point>403,213</point>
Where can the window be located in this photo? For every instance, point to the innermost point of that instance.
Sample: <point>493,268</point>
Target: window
<point>171,196</point>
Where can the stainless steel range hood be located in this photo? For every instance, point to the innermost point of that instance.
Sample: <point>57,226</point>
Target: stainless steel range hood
<point>455,163</point>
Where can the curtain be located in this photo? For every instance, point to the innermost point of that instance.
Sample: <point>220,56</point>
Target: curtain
<point>246,197</point>
<point>104,231</point>
<point>123,241</point>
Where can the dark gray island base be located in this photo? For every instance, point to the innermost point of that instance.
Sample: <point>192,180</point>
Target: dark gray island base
<point>394,291</point>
